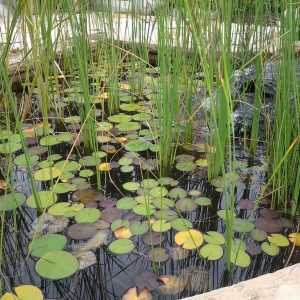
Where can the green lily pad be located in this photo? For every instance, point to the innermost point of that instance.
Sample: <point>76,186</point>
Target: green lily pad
<point>278,239</point>
<point>158,192</point>
<point>45,199</point>
<point>240,258</point>
<point>137,146</point>
<point>46,174</point>
<point>144,210</point>
<point>259,235</point>
<point>237,245</point>
<point>161,226</point>
<point>20,160</point>
<point>56,265</point>
<point>270,248</point>
<point>63,187</point>
<point>50,242</point>
<point>125,161</point>
<point>129,106</point>
<point>181,224</point>
<point>131,186</point>
<point>186,166</point>
<point>127,169</point>
<point>163,203</point>
<point>186,205</point>
<point>144,199</point>
<point>87,215</point>
<point>120,118</point>
<point>72,119</point>
<point>90,161</point>
<point>65,209</point>
<point>119,224</point>
<point>126,203</point>
<point>86,173</point>
<point>149,183</point>
<point>211,251</point>
<point>222,214</point>
<point>214,237</point>
<point>225,181</point>
<point>104,126</point>
<point>241,225</point>
<point>67,166</point>
<point>8,148</point>
<point>128,126</point>
<point>122,246</point>
<point>166,214</point>
<point>178,192</point>
<point>49,140</point>
<point>99,154</point>
<point>139,228</point>
<point>203,201</point>
<point>11,201</point>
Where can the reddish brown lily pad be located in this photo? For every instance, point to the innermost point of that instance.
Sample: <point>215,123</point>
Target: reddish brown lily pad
<point>82,231</point>
<point>268,225</point>
<point>253,249</point>
<point>286,223</point>
<point>153,238</point>
<point>158,255</point>
<point>246,204</point>
<point>269,213</point>
<point>147,280</point>
<point>111,214</point>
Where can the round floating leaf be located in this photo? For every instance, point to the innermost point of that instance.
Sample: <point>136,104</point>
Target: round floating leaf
<point>56,265</point>
<point>240,258</point>
<point>222,213</point>
<point>120,118</point>
<point>124,161</point>
<point>163,203</point>
<point>127,169</point>
<point>67,166</point>
<point>130,106</point>
<point>63,187</point>
<point>139,228</point>
<point>82,231</point>
<point>254,249</point>
<point>258,235</point>
<point>214,237</point>
<point>128,126</point>
<point>50,242</point>
<point>194,193</point>
<point>294,238</point>
<point>186,205</point>
<point>49,140</point>
<point>237,245</point>
<point>90,161</point>
<point>72,119</point>
<point>46,174</point>
<point>158,255</point>
<point>269,225</point>
<point>87,215</point>
<point>270,249</point>
<point>201,162</point>
<point>27,292</point>
<point>278,239</point>
<point>122,246</point>
<point>153,238</point>
<point>181,224</point>
<point>166,214</point>
<point>190,239</point>
<point>45,199</point>
<point>149,183</point>
<point>11,201</point>
<point>126,203</point>
<point>137,146</point>
<point>99,154</point>
<point>144,209</point>
<point>146,280</point>
<point>119,224</point>
<point>246,204</point>
<point>111,214</point>
<point>177,193</point>
<point>131,186</point>
<point>185,166</point>
<point>158,192</point>
<point>104,126</point>
<point>211,251</point>
<point>241,225</point>
<point>20,160</point>
<point>269,213</point>
<point>86,173</point>
<point>161,226</point>
<point>203,201</point>
<point>132,294</point>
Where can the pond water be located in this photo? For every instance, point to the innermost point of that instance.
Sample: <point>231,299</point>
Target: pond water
<point>163,235</point>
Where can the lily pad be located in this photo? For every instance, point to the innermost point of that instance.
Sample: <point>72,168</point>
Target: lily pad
<point>158,192</point>
<point>163,203</point>
<point>82,231</point>
<point>153,238</point>
<point>241,225</point>
<point>120,118</point>
<point>67,166</point>
<point>63,187</point>
<point>46,174</point>
<point>139,228</point>
<point>137,146</point>
<point>128,126</point>
<point>268,225</point>
<point>166,214</point>
<point>270,248</point>
<point>294,238</point>
<point>177,193</point>
<point>24,292</point>
<point>86,173</point>
<point>186,205</point>
<point>278,239</point>
<point>146,280</point>
<point>254,249</point>
<point>259,235</point>
<point>131,186</point>
<point>161,226</point>
<point>158,255</point>
<point>111,214</point>
<point>222,213</point>
<point>56,265</point>
<point>214,237</point>
<point>50,242</point>
<point>11,201</point>
<point>190,239</point>
<point>240,258</point>
<point>149,183</point>
<point>122,246</point>
<point>203,201</point>
<point>181,224</point>
<point>211,251</point>
<point>90,161</point>
<point>126,203</point>
<point>185,166</point>
<point>20,160</point>
<point>87,215</point>
<point>144,209</point>
<point>45,199</point>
